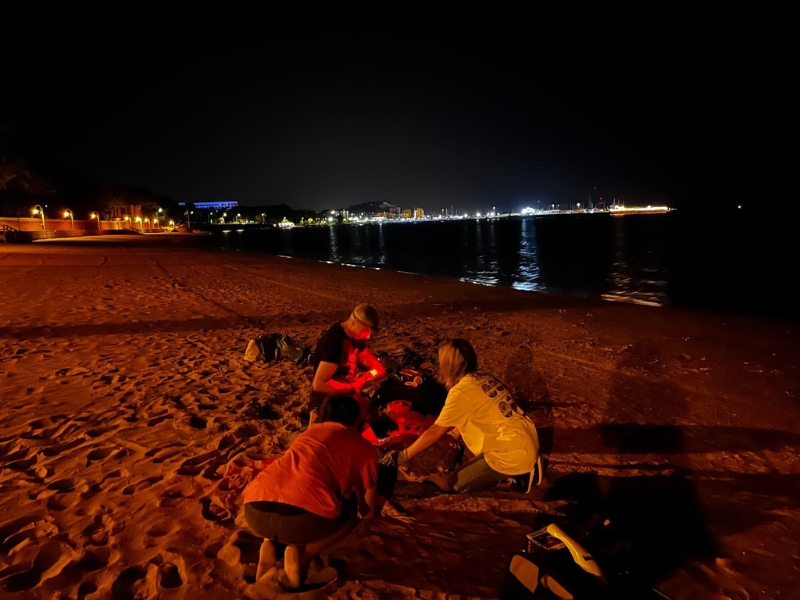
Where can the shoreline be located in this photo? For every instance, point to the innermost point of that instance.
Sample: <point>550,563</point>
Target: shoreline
<point>126,421</point>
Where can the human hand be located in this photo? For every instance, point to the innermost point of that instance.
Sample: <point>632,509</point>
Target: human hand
<point>394,459</point>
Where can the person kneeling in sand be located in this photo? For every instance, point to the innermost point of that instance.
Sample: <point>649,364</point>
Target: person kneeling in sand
<point>503,440</point>
<point>310,498</point>
<point>340,352</point>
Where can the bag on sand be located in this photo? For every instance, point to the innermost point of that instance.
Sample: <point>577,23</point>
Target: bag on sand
<point>289,348</point>
<point>556,565</point>
<point>263,348</point>
<point>273,346</point>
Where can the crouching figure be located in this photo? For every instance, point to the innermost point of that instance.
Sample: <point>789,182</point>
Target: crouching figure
<point>480,408</point>
<point>311,497</point>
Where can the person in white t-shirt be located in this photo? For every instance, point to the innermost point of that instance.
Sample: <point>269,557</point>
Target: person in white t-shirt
<point>480,408</point>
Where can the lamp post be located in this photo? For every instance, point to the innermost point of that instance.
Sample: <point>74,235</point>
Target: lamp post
<point>147,220</point>
<point>38,210</point>
<point>96,216</point>
<point>141,225</point>
<point>68,213</point>
<point>127,218</point>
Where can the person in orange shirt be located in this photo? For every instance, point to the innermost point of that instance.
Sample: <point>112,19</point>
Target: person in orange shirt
<point>311,497</point>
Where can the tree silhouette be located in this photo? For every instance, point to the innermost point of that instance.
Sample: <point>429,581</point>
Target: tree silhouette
<point>10,170</point>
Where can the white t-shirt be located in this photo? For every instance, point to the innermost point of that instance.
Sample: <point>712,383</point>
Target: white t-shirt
<point>491,423</point>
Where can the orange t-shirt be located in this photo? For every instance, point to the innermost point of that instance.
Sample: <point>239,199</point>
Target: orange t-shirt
<point>321,467</point>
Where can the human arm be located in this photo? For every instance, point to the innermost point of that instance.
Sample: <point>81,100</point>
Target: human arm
<point>368,503</point>
<point>428,438</point>
<point>370,362</point>
<point>325,383</point>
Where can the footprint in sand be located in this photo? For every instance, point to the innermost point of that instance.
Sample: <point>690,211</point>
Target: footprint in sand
<point>15,452</point>
<point>20,465</point>
<point>49,562</point>
<point>93,560</point>
<point>241,549</point>
<point>212,550</point>
<point>185,488</point>
<point>65,485</point>
<point>99,454</point>
<point>124,586</point>
<point>171,570</point>
<point>18,531</point>
<point>59,448</point>
<point>213,511</point>
<point>101,530</point>
<point>226,441</point>
<point>162,454</point>
<point>98,431</point>
<point>196,422</point>
<point>141,485</point>
<point>194,466</point>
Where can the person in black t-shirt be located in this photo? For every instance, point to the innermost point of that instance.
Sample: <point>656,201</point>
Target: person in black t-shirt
<point>340,352</point>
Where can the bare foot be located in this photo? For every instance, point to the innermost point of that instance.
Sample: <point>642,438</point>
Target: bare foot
<point>291,564</point>
<point>266,559</point>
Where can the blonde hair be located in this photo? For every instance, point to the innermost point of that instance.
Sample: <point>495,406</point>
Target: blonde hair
<point>457,358</point>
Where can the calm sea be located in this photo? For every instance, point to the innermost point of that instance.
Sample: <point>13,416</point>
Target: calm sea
<point>722,262</point>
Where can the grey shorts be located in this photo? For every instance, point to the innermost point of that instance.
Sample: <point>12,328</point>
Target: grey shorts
<point>287,524</point>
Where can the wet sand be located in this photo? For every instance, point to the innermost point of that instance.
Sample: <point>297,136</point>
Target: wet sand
<point>130,423</point>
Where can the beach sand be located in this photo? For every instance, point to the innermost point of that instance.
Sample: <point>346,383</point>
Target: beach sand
<point>129,424</point>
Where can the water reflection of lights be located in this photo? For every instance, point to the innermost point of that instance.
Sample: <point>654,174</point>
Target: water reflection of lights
<point>478,280</point>
<point>527,275</point>
<point>381,246</point>
<point>628,283</point>
<point>333,236</point>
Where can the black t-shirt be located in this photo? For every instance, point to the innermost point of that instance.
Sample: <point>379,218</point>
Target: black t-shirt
<point>336,347</point>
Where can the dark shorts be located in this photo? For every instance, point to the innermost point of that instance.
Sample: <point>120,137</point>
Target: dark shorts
<point>287,524</point>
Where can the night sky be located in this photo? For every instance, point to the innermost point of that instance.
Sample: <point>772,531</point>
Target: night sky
<point>328,109</point>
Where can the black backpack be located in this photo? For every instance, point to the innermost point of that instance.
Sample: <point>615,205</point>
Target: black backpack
<point>276,346</point>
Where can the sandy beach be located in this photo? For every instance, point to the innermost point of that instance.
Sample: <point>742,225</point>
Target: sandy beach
<point>130,423</point>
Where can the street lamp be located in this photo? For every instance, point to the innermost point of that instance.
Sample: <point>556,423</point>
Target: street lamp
<point>127,218</point>
<point>38,210</point>
<point>68,213</point>
<point>147,220</point>
<point>96,216</point>
<point>141,225</point>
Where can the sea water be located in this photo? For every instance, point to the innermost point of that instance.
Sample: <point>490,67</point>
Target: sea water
<point>716,262</point>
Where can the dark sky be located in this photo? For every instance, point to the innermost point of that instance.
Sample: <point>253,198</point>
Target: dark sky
<point>328,109</point>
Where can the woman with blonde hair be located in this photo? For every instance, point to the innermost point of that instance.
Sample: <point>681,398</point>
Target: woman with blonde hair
<point>491,425</point>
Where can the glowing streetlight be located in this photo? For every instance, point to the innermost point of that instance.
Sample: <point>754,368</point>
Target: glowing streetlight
<point>127,218</point>
<point>96,216</point>
<point>171,223</point>
<point>38,210</point>
<point>147,220</point>
<point>141,225</point>
<point>68,213</point>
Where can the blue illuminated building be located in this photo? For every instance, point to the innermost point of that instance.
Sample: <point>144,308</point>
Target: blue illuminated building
<point>219,205</point>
